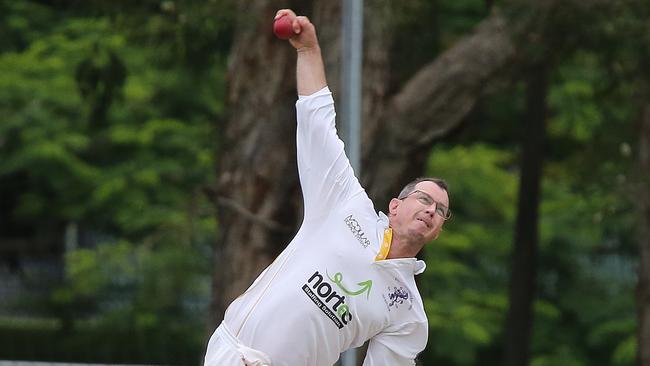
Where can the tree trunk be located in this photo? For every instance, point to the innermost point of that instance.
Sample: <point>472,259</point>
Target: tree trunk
<point>257,196</point>
<point>519,319</point>
<point>642,198</point>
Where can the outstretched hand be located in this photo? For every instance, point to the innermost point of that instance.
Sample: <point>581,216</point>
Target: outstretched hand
<point>304,31</point>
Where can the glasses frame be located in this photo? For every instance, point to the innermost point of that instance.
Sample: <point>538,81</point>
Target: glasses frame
<point>439,208</point>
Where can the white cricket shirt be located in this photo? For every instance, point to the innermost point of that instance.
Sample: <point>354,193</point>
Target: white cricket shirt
<point>325,292</point>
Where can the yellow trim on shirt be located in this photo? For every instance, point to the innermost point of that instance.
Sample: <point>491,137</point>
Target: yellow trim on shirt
<point>385,246</point>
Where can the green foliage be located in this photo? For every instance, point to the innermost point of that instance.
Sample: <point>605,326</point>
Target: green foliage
<point>625,353</point>
<point>115,136</point>
<point>587,234</point>
<point>131,173</point>
<point>152,281</point>
<point>574,97</point>
<point>41,340</point>
<point>22,22</point>
<point>562,356</point>
<point>466,300</point>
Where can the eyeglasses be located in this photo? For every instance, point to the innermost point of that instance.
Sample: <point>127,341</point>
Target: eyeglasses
<point>425,199</point>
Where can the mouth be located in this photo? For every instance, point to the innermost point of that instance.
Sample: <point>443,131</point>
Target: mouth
<point>428,224</point>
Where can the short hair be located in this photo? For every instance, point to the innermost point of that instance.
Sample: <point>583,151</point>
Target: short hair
<point>410,187</point>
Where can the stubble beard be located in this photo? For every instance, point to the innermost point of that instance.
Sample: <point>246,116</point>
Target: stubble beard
<point>414,239</point>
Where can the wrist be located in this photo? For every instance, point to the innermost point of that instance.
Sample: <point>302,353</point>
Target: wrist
<point>308,49</point>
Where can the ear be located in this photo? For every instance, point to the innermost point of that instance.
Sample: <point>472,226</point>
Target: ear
<point>392,206</point>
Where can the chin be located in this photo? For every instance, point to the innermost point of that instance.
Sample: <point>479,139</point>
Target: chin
<point>416,237</point>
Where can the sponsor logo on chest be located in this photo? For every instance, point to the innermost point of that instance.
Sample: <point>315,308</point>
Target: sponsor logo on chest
<point>325,296</point>
<point>356,230</point>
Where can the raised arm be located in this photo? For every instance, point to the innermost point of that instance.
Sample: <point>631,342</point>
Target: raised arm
<point>310,71</point>
<point>326,177</point>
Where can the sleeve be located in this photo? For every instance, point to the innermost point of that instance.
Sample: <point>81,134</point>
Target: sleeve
<point>397,348</point>
<point>326,176</point>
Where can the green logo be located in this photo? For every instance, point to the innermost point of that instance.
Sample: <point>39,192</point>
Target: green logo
<point>365,286</point>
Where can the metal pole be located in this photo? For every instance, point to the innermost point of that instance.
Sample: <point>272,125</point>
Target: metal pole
<point>352,36</point>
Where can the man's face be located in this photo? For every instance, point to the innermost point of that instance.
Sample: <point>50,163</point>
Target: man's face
<point>414,217</point>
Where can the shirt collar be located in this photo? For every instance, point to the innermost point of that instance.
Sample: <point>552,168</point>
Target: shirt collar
<point>416,266</point>
<point>409,266</point>
<point>382,224</point>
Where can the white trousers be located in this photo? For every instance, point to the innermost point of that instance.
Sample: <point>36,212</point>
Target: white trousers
<point>224,349</point>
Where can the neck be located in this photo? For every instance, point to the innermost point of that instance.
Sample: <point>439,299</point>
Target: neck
<point>402,247</point>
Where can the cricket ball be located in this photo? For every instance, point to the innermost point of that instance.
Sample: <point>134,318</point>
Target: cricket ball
<point>282,27</point>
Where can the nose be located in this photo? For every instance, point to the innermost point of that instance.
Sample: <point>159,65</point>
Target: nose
<point>431,211</point>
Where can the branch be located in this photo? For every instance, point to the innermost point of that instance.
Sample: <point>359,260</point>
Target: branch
<point>244,212</point>
<point>434,101</point>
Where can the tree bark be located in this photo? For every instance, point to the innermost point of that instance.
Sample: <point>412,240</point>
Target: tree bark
<point>257,195</point>
<point>519,319</point>
<point>642,198</point>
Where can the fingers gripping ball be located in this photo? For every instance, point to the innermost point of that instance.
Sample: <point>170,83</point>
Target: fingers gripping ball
<point>282,27</point>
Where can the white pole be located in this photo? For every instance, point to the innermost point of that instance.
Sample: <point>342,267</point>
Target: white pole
<point>352,36</point>
<point>352,41</point>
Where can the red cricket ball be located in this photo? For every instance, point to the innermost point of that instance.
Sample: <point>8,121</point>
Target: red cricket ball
<point>282,27</point>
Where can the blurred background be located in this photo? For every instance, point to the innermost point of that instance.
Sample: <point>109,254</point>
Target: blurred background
<point>148,175</point>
